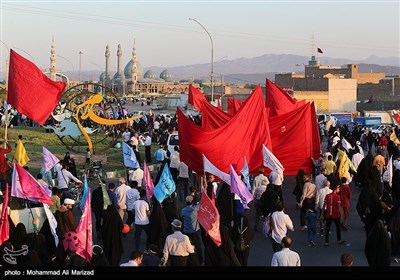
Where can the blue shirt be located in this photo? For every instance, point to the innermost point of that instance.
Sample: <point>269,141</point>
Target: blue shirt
<point>113,198</point>
<point>160,155</point>
<point>189,218</point>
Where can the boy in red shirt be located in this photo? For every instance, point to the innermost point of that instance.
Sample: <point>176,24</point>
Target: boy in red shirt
<point>333,212</point>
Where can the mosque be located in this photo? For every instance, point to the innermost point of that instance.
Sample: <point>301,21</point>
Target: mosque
<point>130,80</point>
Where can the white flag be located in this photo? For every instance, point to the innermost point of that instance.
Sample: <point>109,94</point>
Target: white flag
<point>210,168</point>
<point>390,170</point>
<point>52,222</point>
<point>270,161</point>
<point>49,159</point>
<point>346,145</point>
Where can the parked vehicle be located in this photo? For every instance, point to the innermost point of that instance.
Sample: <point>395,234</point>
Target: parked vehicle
<point>379,128</point>
<point>172,141</point>
<point>21,211</point>
<point>156,106</point>
<point>368,121</point>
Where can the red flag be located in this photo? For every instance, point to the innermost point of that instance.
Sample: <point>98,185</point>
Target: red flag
<point>148,182</point>
<point>84,232</point>
<point>196,97</point>
<point>30,91</point>
<point>25,185</point>
<point>4,223</point>
<point>319,50</point>
<point>208,217</point>
<point>278,101</point>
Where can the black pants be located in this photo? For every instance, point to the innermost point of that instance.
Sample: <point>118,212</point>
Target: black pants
<point>147,152</point>
<point>328,228</point>
<point>131,217</point>
<point>178,260</point>
<point>276,247</point>
<point>278,190</point>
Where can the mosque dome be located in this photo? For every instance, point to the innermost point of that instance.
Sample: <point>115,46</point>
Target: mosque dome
<point>150,75</point>
<point>128,67</point>
<point>102,76</point>
<point>166,76</point>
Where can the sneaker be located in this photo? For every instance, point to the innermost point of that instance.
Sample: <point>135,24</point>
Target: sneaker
<point>396,260</point>
<point>303,228</point>
<point>313,243</point>
<point>341,242</point>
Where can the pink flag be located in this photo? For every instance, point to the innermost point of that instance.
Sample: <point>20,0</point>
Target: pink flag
<point>148,182</point>
<point>208,217</point>
<point>84,232</point>
<point>4,223</point>
<point>49,159</point>
<point>24,185</point>
<point>239,188</point>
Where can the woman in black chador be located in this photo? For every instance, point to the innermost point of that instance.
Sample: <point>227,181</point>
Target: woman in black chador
<point>112,236</point>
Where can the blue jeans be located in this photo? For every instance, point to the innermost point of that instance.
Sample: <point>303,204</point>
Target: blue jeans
<point>311,218</point>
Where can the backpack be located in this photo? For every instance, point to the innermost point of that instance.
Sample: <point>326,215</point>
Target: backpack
<point>240,245</point>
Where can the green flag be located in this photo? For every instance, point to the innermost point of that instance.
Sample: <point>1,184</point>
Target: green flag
<point>106,198</point>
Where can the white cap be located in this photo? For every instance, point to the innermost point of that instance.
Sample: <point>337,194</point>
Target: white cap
<point>69,201</point>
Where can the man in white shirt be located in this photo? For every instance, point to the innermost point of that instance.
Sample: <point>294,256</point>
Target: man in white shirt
<point>126,135</point>
<point>280,223</point>
<point>131,196</point>
<point>121,196</point>
<point>137,175</point>
<point>321,179</point>
<point>319,202</point>
<point>183,178</point>
<point>135,259</point>
<point>259,179</point>
<point>286,257</point>
<point>177,246</point>
<point>276,178</point>
<point>142,213</point>
<point>174,164</point>
<point>64,177</point>
<point>147,147</point>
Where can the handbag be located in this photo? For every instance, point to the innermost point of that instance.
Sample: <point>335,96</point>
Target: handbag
<point>267,226</point>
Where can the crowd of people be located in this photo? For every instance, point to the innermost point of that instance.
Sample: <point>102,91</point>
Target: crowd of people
<point>174,237</point>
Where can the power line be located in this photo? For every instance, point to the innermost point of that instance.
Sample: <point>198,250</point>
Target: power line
<point>176,28</point>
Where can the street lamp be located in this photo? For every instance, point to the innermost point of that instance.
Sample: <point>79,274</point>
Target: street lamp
<point>33,60</point>
<point>73,68</point>
<point>7,68</point>
<point>80,64</point>
<point>212,58</point>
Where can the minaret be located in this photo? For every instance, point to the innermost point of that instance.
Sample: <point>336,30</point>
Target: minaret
<point>134,69</point>
<point>53,69</point>
<point>108,66</point>
<point>119,64</point>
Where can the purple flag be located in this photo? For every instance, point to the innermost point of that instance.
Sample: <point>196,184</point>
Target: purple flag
<point>148,182</point>
<point>239,188</point>
<point>49,159</point>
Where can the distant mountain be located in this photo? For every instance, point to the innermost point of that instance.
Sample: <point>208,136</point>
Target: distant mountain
<point>254,70</point>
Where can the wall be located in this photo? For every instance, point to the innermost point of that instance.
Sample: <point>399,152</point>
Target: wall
<point>342,95</point>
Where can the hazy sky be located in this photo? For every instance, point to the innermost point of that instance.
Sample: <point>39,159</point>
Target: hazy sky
<point>166,37</point>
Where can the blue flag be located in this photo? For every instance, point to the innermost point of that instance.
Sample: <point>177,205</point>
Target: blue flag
<point>245,174</point>
<point>129,156</point>
<point>144,118</point>
<point>165,186</point>
<point>85,192</point>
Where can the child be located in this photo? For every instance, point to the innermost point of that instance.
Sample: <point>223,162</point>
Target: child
<point>311,218</point>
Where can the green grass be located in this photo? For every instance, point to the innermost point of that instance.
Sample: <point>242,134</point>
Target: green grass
<point>36,137</point>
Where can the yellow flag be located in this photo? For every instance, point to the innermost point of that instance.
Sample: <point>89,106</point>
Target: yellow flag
<point>345,165</point>
<point>20,154</point>
<point>394,138</point>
